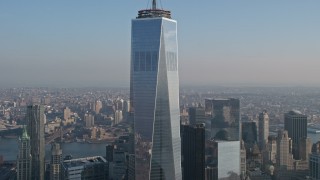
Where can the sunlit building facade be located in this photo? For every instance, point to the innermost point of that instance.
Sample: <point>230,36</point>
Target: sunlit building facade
<point>223,160</point>
<point>154,93</point>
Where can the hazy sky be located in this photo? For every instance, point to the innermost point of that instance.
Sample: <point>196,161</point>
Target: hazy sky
<point>226,42</point>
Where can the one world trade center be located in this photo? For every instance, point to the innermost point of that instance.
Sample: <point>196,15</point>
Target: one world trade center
<point>154,93</point>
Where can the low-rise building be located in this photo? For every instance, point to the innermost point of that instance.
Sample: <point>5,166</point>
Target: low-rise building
<point>85,168</point>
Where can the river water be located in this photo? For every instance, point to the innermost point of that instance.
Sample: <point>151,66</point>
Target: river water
<point>9,148</point>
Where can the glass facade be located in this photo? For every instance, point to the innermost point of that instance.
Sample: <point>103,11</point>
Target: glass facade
<point>222,160</point>
<point>228,160</point>
<point>225,118</point>
<point>154,91</point>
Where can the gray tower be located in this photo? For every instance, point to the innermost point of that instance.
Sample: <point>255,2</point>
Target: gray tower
<point>35,120</point>
<point>24,157</point>
<point>56,160</point>
<point>263,129</point>
<point>154,93</point>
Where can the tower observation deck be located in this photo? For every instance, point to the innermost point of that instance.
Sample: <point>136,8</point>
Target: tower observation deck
<point>154,12</point>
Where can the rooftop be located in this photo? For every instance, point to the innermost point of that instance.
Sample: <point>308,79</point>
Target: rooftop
<point>83,161</point>
<point>294,112</point>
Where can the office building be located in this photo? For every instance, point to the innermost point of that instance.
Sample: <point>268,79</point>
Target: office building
<point>24,157</point>
<point>1,160</point>
<point>120,157</point>
<point>154,95</point>
<point>94,133</point>
<point>243,158</point>
<point>222,160</point>
<point>66,113</point>
<point>109,152</point>
<point>263,129</point>
<point>89,120</point>
<point>270,151</point>
<point>305,147</point>
<point>126,111</point>
<point>131,167</point>
<point>197,115</point>
<point>314,166</point>
<point>249,133</point>
<point>225,118</point>
<point>193,152</point>
<point>296,125</point>
<point>119,104</point>
<point>119,164</point>
<point>254,157</point>
<point>118,117</point>
<point>85,168</point>
<point>55,163</point>
<point>223,154</point>
<point>126,106</point>
<point>98,107</point>
<point>35,128</point>
<point>284,156</point>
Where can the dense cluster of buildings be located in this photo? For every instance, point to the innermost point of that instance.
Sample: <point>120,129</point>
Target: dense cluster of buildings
<point>162,140</point>
<point>251,152</point>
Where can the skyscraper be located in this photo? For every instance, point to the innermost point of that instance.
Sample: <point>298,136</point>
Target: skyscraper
<point>193,151</point>
<point>118,117</point>
<point>154,95</point>
<point>243,158</point>
<point>35,120</point>
<point>89,120</point>
<point>263,129</point>
<point>223,160</point>
<point>305,147</point>
<point>270,151</point>
<point>314,164</point>
<point>249,133</point>
<point>284,156</point>
<point>225,130</point>
<point>225,120</point>
<point>196,115</point>
<point>296,125</point>
<point>56,160</point>
<point>24,157</point>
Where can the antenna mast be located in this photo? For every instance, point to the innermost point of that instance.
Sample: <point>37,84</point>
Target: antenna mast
<point>153,12</point>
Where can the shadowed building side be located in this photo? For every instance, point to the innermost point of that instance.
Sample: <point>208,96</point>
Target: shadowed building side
<point>296,125</point>
<point>35,127</point>
<point>24,157</point>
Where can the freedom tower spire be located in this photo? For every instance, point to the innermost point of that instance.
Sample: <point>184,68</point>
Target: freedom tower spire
<point>154,94</point>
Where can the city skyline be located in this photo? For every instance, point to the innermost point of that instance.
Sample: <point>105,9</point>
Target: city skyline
<point>72,44</point>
